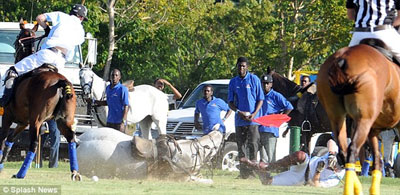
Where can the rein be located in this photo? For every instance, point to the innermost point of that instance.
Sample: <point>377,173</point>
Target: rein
<point>196,154</point>
<point>92,108</point>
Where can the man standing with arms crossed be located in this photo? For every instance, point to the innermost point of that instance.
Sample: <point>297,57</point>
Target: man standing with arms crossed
<point>245,97</point>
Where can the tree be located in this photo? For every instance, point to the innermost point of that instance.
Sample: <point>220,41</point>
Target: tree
<point>111,37</point>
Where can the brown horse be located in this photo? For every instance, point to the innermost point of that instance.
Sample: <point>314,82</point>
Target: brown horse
<point>310,115</point>
<point>364,84</point>
<point>40,96</point>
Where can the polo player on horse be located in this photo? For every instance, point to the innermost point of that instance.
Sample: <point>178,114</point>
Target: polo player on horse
<point>66,33</point>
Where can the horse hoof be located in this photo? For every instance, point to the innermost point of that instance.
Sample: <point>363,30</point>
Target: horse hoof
<point>76,177</point>
<point>15,177</point>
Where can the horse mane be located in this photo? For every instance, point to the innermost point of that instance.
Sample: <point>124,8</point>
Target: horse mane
<point>283,85</point>
<point>339,81</point>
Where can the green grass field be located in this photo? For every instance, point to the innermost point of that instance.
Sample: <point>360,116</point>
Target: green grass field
<point>224,183</point>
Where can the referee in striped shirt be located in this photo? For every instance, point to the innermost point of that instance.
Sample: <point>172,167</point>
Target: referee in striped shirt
<point>375,19</point>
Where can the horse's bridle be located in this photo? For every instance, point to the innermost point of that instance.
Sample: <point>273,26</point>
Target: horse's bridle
<point>196,145</point>
<point>92,108</point>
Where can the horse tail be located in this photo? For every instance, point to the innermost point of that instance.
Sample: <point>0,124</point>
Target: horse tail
<point>67,88</point>
<point>339,80</point>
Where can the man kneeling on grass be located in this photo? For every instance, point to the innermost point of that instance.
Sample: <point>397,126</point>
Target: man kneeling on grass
<point>323,171</point>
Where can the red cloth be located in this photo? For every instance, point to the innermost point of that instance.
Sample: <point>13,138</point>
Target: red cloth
<point>272,120</point>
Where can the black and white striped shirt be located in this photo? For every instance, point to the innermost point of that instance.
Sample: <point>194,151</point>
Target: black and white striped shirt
<point>371,13</point>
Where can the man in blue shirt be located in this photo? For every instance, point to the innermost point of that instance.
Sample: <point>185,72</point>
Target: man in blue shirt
<point>274,103</point>
<point>210,108</point>
<point>117,101</point>
<point>245,97</point>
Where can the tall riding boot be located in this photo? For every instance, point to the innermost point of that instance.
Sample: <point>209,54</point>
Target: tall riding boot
<point>287,161</point>
<point>8,89</point>
<point>6,95</point>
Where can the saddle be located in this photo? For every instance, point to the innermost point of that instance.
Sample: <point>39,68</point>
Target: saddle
<point>19,79</point>
<point>382,48</point>
<point>307,99</point>
<point>144,148</point>
<point>42,68</point>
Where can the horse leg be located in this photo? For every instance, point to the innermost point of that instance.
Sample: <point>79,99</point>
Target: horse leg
<point>376,173</point>
<point>33,135</point>
<point>9,143</point>
<point>5,130</point>
<point>145,127</point>
<point>352,183</point>
<point>162,141</point>
<point>340,135</point>
<point>67,129</point>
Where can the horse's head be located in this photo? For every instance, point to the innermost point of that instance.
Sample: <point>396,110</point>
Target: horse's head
<point>283,85</point>
<point>189,156</point>
<point>86,77</point>
<point>25,42</point>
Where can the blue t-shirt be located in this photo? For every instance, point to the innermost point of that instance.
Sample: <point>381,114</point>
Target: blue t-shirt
<point>245,93</point>
<point>210,113</point>
<point>117,99</point>
<point>274,103</point>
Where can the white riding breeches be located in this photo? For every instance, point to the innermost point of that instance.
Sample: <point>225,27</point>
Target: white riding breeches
<point>389,36</point>
<point>39,58</point>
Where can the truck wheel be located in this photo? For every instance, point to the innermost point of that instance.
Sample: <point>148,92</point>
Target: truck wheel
<point>230,160</point>
<point>396,165</point>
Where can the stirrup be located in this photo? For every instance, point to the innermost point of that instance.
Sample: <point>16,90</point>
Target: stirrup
<point>306,125</point>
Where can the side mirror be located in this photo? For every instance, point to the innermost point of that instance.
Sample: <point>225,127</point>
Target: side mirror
<point>92,49</point>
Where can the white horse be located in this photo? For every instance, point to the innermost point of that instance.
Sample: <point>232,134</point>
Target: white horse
<point>107,153</point>
<point>146,103</point>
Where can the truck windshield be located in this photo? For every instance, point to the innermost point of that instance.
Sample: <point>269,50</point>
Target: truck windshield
<point>7,50</point>
<point>220,91</point>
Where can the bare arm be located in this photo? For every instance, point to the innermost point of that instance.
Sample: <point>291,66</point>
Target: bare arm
<point>315,179</point>
<point>196,121</point>
<point>287,111</point>
<point>177,94</point>
<point>41,19</point>
<point>227,114</point>
<point>126,108</point>
<point>234,108</point>
<point>287,130</point>
<point>397,20</point>
<point>124,122</point>
<point>351,14</point>
<point>258,107</point>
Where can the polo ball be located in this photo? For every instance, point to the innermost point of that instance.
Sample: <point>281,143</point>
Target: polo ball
<point>95,178</point>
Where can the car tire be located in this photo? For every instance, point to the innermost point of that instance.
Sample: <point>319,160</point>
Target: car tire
<point>396,165</point>
<point>229,160</point>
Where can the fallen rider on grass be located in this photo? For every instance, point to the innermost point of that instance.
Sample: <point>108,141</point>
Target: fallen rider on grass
<point>320,171</point>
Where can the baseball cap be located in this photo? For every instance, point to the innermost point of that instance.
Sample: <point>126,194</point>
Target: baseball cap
<point>267,78</point>
<point>79,10</point>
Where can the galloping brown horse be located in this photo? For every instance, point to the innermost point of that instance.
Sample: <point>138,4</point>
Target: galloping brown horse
<point>362,83</point>
<point>39,97</point>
